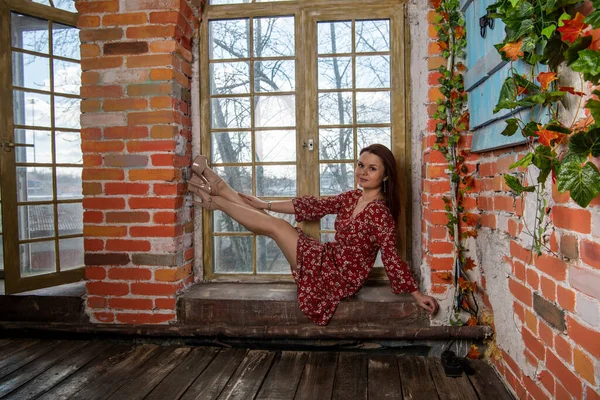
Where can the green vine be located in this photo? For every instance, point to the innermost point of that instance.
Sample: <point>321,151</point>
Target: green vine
<point>551,33</point>
<point>452,124</point>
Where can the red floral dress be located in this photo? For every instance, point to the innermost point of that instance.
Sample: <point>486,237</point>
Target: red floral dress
<point>330,272</point>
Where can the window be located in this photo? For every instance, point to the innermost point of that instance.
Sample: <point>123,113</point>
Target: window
<point>41,152</point>
<point>293,91</point>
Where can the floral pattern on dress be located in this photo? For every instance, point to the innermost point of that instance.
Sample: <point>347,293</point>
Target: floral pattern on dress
<point>330,272</point>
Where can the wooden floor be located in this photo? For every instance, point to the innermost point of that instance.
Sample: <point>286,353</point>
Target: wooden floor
<point>99,369</point>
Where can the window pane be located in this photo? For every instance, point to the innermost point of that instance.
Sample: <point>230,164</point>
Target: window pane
<point>275,76</point>
<point>274,37</point>
<point>229,78</point>
<point>65,41</point>
<point>269,257</point>
<point>231,112</point>
<point>372,36</point>
<point>70,219</point>
<point>233,255</point>
<point>239,178</point>
<point>66,112</point>
<point>228,39</point>
<point>334,37</point>
<point>68,183</point>
<point>231,147</point>
<point>276,180</point>
<point>373,72</point>
<point>274,111</point>
<point>1,257</point>
<point>335,73</point>
<point>31,109</point>
<point>373,107</point>
<point>32,72</point>
<point>36,221</point>
<point>273,146</point>
<point>335,108</point>
<point>336,178</point>
<point>29,33</point>
<point>336,144</point>
<point>41,152</point>
<point>37,258</point>
<point>223,223</point>
<point>369,136</point>
<point>327,237</point>
<point>67,5</point>
<point>328,222</point>
<point>68,148</point>
<point>44,2</point>
<point>34,184</point>
<point>71,253</point>
<point>67,77</point>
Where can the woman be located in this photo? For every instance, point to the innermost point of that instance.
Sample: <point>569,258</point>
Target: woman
<point>326,273</point>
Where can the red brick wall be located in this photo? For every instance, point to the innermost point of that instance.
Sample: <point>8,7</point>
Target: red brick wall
<point>567,362</point>
<point>136,140</point>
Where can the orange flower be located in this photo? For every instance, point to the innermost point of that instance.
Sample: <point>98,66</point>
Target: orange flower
<point>445,276</point>
<point>595,34</point>
<point>474,353</point>
<point>436,3</point>
<point>572,28</point>
<point>459,32</point>
<point>461,67</point>
<point>472,321</point>
<point>546,136</point>
<point>513,50</point>
<point>570,89</point>
<point>544,78</point>
<point>521,90</point>
<point>469,264</point>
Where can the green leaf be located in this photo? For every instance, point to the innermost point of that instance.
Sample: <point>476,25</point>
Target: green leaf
<point>542,158</point>
<point>514,2</point>
<point>589,62</point>
<point>514,183</point>
<point>548,31</point>
<point>512,125</point>
<point>572,53</point>
<point>558,128</point>
<point>594,19</point>
<point>508,92</point>
<point>563,17</point>
<point>586,143</point>
<point>530,129</point>
<point>582,182</point>
<point>554,50</point>
<point>523,162</point>
<point>594,107</point>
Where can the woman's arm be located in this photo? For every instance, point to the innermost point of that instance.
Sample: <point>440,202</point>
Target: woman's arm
<point>279,206</point>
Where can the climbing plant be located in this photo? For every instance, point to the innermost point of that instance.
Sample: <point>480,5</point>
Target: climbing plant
<point>452,125</point>
<point>551,33</point>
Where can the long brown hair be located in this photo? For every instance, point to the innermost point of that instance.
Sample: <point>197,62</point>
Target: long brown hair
<point>392,192</point>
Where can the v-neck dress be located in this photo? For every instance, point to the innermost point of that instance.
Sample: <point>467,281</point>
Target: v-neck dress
<point>332,271</point>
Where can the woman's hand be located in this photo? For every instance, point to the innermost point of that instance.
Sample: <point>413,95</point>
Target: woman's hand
<point>427,302</point>
<point>254,201</point>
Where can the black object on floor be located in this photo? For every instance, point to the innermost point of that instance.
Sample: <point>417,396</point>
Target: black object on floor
<point>452,364</point>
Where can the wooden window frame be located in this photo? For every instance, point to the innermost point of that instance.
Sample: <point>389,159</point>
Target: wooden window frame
<point>307,13</point>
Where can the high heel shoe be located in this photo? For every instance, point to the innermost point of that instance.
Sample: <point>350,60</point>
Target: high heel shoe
<point>199,164</point>
<point>200,169</point>
<point>206,201</point>
<point>199,182</point>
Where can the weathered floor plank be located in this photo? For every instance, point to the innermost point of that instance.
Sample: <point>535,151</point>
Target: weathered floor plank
<point>317,377</point>
<point>247,379</point>
<point>383,378</point>
<point>25,356</point>
<point>459,388</point>
<point>415,378</point>
<point>351,377</point>
<point>283,377</point>
<point>486,382</point>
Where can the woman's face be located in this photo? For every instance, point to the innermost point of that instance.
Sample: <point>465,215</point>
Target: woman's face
<point>369,171</point>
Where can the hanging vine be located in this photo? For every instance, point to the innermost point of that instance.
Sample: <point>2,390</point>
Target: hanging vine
<point>453,124</point>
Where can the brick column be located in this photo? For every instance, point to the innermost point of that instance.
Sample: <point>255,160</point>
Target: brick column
<point>136,134</point>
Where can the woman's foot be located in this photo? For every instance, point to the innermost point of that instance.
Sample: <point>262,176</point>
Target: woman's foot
<point>211,180</point>
<point>199,164</point>
<point>198,182</point>
<point>206,200</point>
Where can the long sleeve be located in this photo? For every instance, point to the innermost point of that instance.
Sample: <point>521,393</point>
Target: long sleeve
<point>311,208</point>
<point>398,271</point>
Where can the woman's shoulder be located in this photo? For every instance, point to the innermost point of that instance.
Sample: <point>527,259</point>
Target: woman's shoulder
<point>380,213</point>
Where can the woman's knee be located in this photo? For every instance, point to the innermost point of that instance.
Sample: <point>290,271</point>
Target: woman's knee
<point>277,227</point>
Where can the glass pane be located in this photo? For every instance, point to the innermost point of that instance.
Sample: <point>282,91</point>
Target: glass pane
<point>272,111</point>
<point>335,73</point>
<point>29,33</point>
<point>68,148</point>
<point>65,41</point>
<point>36,221</point>
<point>378,261</point>
<point>32,72</point>
<point>44,2</point>
<point>233,255</point>
<point>68,183</point>
<point>42,150</point>
<point>368,136</point>
<point>274,37</point>
<point>336,144</point>
<point>372,36</point>
<point>229,78</point>
<point>336,178</point>
<point>239,178</point>
<point>269,257</point>
<point>66,112</point>
<point>335,108</point>
<point>230,112</point>
<point>70,219</point>
<point>1,259</point>
<point>71,253</point>
<point>327,237</point>
<point>67,77</point>
<point>67,5</point>
<point>228,39</point>
<point>223,223</point>
<point>373,108</point>
<point>275,76</point>
<point>328,222</point>
<point>217,2</point>
<point>273,146</point>
<point>276,180</point>
<point>231,147</point>
<point>32,109</point>
<point>34,184</point>
<point>335,37</point>
<point>373,72</point>
<point>37,258</point>
<point>0,224</point>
